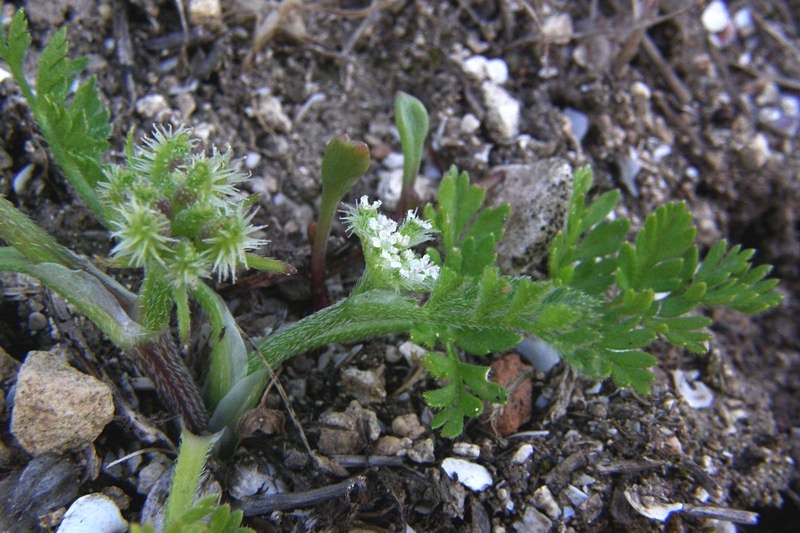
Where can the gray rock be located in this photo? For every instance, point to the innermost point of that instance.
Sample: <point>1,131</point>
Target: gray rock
<point>533,522</point>
<point>57,408</point>
<point>349,431</point>
<point>539,196</point>
<point>151,472</point>
<point>544,501</point>
<point>422,451</point>
<point>150,105</point>
<point>367,386</point>
<point>407,425</point>
<point>254,477</point>
<point>47,482</point>
<point>155,505</point>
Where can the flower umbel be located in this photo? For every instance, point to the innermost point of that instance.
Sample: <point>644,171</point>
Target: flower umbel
<point>387,248</point>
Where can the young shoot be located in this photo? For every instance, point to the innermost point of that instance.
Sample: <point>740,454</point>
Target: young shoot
<point>411,119</point>
<point>343,164</point>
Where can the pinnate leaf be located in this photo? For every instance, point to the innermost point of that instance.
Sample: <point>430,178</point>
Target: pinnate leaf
<point>463,396</point>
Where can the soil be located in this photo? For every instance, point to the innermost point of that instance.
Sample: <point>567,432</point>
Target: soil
<point>670,116</point>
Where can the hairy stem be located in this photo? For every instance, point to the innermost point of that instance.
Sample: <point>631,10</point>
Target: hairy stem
<point>162,362</point>
<point>194,452</point>
<point>367,315</point>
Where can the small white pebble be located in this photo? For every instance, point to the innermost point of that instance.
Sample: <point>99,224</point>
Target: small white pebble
<point>251,160</point>
<point>743,20</point>
<point>716,18</point>
<point>696,393</point>
<point>93,512</point>
<point>412,352</point>
<point>557,28</point>
<point>497,71</point>
<point>393,161</point>
<point>476,67</point>
<point>576,495</point>
<point>150,105</point>
<point>467,449</point>
<point>502,113</point>
<point>473,476</point>
<point>22,178</point>
<point>522,454</point>
<point>469,124</point>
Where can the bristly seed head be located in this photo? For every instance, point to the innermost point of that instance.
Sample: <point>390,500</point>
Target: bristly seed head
<point>179,210</point>
<point>143,235</point>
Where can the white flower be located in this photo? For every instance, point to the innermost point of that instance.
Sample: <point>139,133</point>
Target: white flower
<point>387,246</point>
<point>363,203</point>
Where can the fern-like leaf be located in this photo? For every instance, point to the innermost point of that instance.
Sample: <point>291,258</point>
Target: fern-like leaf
<point>463,397</point>
<point>469,233</point>
<point>660,283</point>
<point>583,256</point>
<point>76,128</point>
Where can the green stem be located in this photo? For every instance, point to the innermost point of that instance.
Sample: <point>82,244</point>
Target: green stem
<point>21,232</point>
<point>192,458</point>
<point>370,314</point>
<point>327,210</point>
<point>38,246</point>
<point>72,171</point>
<point>367,315</point>
<point>228,360</point>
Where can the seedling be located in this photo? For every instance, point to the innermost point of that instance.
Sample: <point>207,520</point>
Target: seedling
<point>178,216</point>
<point>173,213</point>
<point>411,119</point>
<point>344,163</point>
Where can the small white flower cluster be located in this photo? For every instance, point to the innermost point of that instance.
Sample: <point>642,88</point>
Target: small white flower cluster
<point>387,246</point>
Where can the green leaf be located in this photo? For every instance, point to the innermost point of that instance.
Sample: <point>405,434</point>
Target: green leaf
<point>55,69</point>
<point>228,359</point>
<point>76,131</point>
<point>605,238</point>
<point>343,164</point>
<point>101,300</point>
<point>598,210</point>
<point>192,456</point>
<point>181,297</point>
<point>458,203</point>
<point>487,340</point>
<point>265,264</point>
<point>583,254</point>
<point>14,46</point>
<point>469,232</point>
<point>661,244</point>
<point>411,118</point>
<point>155,301</point>
<point>455,400</point>
<point>630,369</point>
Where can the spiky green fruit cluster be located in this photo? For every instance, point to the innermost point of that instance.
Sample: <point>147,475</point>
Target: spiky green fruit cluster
<point>179,210</point>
